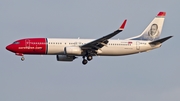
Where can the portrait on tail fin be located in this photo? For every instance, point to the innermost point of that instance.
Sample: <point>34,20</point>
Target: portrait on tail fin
<point>152,34</point>
<point>153,31</point>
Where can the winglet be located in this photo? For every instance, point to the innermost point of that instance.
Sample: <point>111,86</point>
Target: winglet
<point>123,25</point>
<point>161,14</point>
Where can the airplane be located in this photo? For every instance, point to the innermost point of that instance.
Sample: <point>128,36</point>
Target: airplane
<point>69,49</point>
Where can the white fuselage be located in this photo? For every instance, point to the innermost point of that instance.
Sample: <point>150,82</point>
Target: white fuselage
<point>113,48</point>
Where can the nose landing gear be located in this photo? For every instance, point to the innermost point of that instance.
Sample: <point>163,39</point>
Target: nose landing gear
<point>21,54</point>
<point>22,58</point>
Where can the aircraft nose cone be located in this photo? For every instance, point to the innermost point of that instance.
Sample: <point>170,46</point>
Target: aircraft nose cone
<point>9,48</point>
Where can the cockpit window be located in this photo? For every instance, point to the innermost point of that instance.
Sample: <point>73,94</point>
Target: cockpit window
<point>16,42</point>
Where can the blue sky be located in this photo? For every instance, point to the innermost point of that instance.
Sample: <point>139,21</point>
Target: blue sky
<point>146,76</point>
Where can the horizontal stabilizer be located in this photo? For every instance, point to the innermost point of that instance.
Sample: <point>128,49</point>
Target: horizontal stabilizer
<point>160,40</point>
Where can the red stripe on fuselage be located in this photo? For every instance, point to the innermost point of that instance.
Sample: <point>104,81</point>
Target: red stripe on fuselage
<point>31,46</point>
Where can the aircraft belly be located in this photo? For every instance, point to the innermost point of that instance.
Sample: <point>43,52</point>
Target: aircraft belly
<point>117,51</point>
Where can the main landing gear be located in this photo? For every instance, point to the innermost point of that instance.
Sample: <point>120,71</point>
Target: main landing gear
<point>89,58</point>
<point>84,62</point>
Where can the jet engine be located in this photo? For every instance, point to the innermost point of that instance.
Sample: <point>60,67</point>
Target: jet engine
<point>65,58</point>
<point>72,50</point>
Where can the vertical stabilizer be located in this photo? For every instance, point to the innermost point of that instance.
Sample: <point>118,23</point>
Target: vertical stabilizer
<point>153,30</point>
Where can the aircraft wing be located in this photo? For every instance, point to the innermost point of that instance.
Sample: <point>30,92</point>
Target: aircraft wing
<point>103,41</point>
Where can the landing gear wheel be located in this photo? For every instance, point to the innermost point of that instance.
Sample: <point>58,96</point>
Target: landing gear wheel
<point>22,59</point>
<point>84,62</point>
<point>89,58</point>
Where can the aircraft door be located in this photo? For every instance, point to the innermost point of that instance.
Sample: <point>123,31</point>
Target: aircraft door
<point>27,43</point>
<point>138,45</point>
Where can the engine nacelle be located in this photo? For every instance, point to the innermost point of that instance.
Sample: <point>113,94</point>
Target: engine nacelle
<point>65,58</point>
<point>72,50</point>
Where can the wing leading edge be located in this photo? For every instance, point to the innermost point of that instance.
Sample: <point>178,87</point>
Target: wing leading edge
<point>103,41</point>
